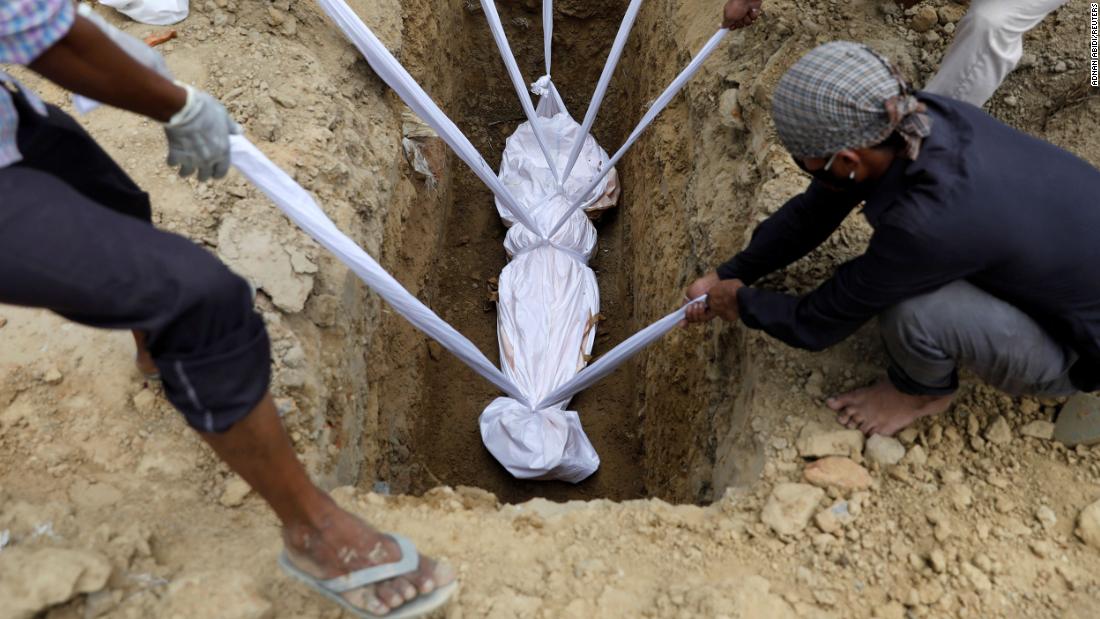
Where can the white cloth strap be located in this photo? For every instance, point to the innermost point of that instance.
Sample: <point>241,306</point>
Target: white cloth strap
<point>576,255</point>
<point>658,106</point>
<point>615,357</point>
<point>605,81</point>
<point>390,70</point>
<point>497,28</point>
<point>547,32</point>
<point>300,207</point>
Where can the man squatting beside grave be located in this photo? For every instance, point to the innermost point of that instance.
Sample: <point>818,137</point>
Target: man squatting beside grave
<point>981,256</point>
<point>76,238</point>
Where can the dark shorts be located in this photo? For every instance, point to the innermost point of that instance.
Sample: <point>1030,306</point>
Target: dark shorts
<point>76,238</point>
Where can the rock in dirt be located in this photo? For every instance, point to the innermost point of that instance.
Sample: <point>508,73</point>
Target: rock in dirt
<point>236,489</point>
<point>817,444</point>
<point>960,495</point>
<point>33,580</point>
<point>729,110</point>
<point>1046,517</point>
<point>1042,430</point>
<point>908,436</point>
<point>214,595</point>
<point>790,506</point>
<point>837,473</point>
<point>925,18</point>
<point>1028,406</point>
<point>1088,525</point>
<point>815,385</point>
<point>916,456</point>
<point>51,376</point>
<point>937,560</point>
<point>999,432</point>
<point>978,580</point>
<point>1041,549</point>
<point>884,450</point>
<point>891,610</point>
<point>435,350</point>
<point>144,401</point>
<point>256,243</point>
<point>834,518</point>
<point>951,13</point>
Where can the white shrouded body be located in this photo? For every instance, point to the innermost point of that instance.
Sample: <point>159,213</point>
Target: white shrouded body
<point>548,300</point>
<point>155,12</point>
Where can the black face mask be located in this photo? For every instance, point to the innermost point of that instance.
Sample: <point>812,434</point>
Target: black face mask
<point>827,179</point>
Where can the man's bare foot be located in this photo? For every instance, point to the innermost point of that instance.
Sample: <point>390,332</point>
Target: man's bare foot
<point>882,409</point>
<point>341,543</point>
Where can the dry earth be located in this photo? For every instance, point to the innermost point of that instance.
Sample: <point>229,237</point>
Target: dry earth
<point>715,442</point>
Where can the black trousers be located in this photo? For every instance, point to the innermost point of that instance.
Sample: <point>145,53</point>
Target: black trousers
<point>76,238</point>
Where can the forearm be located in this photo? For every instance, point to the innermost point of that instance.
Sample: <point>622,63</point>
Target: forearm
<point>898,265</point>
<point>796,229</point>
<point>87,62</point>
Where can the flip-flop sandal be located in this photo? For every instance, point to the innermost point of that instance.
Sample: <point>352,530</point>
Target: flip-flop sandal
<point>410,561</point>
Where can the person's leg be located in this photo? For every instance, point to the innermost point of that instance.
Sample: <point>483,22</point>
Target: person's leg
<point>321,538</point>
<point>929,337</point>
<point>987,46</point>
<point>58,145</point>
<point>60,251</point>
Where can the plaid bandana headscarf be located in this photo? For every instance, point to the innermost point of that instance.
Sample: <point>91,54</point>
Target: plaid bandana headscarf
<point>843,95</point>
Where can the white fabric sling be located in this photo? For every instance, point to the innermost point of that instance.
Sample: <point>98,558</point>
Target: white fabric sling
<point>396,77</point>
<point>497,29</point>
<point>155,12</point>
<point>300,207</point>
<point>605,79</point>
<point>658,106</point>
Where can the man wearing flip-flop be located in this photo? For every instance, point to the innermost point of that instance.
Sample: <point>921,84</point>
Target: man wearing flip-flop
<point>987,46</point>
<point>981,256</point>
<point>76,238</point>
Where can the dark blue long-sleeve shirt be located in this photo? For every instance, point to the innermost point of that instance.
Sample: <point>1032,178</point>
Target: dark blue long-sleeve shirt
<point>1012,214</point>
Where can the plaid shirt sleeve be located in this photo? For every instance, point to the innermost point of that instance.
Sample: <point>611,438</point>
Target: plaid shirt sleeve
<point>30,27</point>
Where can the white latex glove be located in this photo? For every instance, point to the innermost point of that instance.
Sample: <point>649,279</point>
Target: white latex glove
<point>134,47</point>
<point>198,136</point>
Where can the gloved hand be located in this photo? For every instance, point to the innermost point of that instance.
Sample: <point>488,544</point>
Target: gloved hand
<point>134,47</point>
<point>198,136</point>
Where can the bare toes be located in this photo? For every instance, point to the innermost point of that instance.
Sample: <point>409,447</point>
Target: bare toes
<point>405,588</point>
<point>368,599</point>
<point>389,595</point>
<point>866,427</point>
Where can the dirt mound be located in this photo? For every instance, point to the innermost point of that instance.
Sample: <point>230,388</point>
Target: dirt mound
<point>111,508</point>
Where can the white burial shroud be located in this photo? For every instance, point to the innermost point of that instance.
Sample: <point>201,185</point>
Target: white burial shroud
<point>155,12</point>
<point>548,298</point>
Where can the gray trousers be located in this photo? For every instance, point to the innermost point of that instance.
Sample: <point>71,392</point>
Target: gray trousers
<point>988,45</point>
<point>929,337</point>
